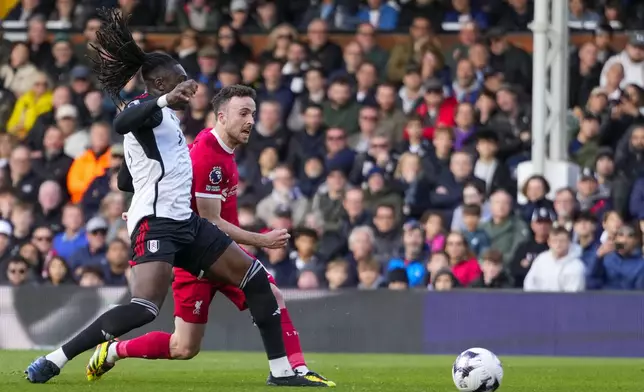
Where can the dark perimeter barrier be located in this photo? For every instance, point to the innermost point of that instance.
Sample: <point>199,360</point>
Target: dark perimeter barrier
<point>507,322</point>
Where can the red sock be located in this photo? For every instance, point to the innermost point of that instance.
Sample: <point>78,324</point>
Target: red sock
<point>153,345</point>
<point>291,341</point>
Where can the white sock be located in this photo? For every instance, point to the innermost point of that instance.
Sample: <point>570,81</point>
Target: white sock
<point>112,356</point>
<point>280,367</point>
<point>302,370</point>
<point>58,357</point>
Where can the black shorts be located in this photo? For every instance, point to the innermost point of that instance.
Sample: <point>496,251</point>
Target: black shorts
<point>194,244</point>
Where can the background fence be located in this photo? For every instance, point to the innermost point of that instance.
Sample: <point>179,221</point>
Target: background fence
<point>588,324</point>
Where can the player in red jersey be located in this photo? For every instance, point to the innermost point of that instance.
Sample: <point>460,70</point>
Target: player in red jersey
<point>214,197</point>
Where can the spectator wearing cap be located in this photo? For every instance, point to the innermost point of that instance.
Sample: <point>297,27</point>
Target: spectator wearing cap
<point>49,210</point>
<point>32,104</point>
<point>81,84</point>
<point>448,191</point>
<point>379,14</point>
<point>540,225</point>
<point>6,243</point>
<point>435,109</point>
<point>589,196</point>
<point>505,230</point>
<point>63,61</point>
<point>53,164</point>
<point>631,59</point>
<point>18,74</point>
<point>494,275</point>
<point>488,167</point>
<point>116,257</point>
<point>198,15</point>
<point>272,89</point>
<point>397,279</point>
<point>391,119</point>
<point>557,269</point>
<point>585,232</point>
<point>603,38</point>
<point>584,73</point>
<point>623,268</point>
<point>73,235</point>
<point>22,177</point>
<point>605,169</point>
<point>413,254</point>
<point>92,254</point>
<point>91,164</point>
<point>583,149</point>
<point>513,62</point>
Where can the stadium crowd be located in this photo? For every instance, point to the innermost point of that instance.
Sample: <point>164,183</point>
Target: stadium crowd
<point>392,168</point>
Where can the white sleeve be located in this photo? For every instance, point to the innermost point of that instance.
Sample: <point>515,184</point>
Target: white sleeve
<point>530,282</point>
<point>576,280</point>
<point>607,65</point>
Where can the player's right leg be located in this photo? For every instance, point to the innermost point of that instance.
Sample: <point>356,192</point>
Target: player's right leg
<point>216,256</point>
<point>154,253</point>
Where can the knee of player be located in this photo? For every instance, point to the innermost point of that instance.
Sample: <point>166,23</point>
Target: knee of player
<point>279,297</point>
<point>184,351</point>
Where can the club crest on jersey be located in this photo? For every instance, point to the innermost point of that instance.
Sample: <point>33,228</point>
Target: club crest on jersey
<point>153,246</point>
<point>215,175</point>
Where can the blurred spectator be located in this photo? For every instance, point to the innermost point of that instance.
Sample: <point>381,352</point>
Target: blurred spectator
<point>66,13</point>
<point>25,10</point>
<point>328,200</point>
<point>94,253</point>
<point>102,185</point>
<point>584,148</point>
<point>17,272</point>
<point>413,254</point>
<point>517,15</point>
<point>631,60</point>
<point>73,236</point>
<point>514,63</point>
<point>379,191</point>
<point>286,194</point>
<point>39,47</point>
<point>463,11</point>
<point>198,15</point>
<point>42,238</point>
<point>32,104</point>
<point>437,261</point>
<point>186,52</point>
<point>91,164</point>
<point>337,274</point>
<point>444,280</point>
<point>434,109</point>
<point>340,111</point>
<point>194,119</point>
<point>23,179</point>
<point>463,262</point>
<point>397,279</point>
<point>19,73</point>
<point>527,252</point>
<point>53,164</point>
<point>477,239</point>
<point>58,272</point>
<point>6,246</point>
<point>493,275</point>
<point>535,189</point>
<point>338,153</point>
<point>50,206</point>
<point>386,232</point>
<point>448,191</point>
<point>309,142</point>
<point>230,47</point>
<point>369,276</point>
<point>585,230</point>
<point>473,194</point>
<point>379,14</point>
<point>85,51</point>
<point>512,123</point>
<point>580,17</point>
<point>321,51</point>
<point>274,90</point>
<point>566,206</point>
<point>603,41</point>
<point>623,267</point>
<point>391,119</point>
<point>584,74</point>
<point>377,158</point>
<point>117,257</point>
<point>465,132</point>
<point>22,219</point>
<point>413,185</point>
<point>434,227</point>
<point>488,167</point>
<point>505,230</point>
<point>308,281</point>
<point>90,276</point>
<point>421,38</point>
<point>557,269</point>
<point>112,208</point>
<point>278,263</point>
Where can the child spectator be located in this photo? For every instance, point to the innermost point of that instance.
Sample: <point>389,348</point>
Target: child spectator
<point>494,276</point>
<point>477,239</point>
<point>304,255</point>
<point>58,272</point>
<point>397,279</point>
<point>611,223</point>
<point>337,274</point>
<point>369,275</point>
<point>434,231</point>
<point>91,276</point>
<point>308,280</point>
<point>444,280</point>
<point>583,149</point>
<point>437,261</point>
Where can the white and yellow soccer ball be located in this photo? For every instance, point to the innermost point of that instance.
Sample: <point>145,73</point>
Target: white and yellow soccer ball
<point>477,370</point>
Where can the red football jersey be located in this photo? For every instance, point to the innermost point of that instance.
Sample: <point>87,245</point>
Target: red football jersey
<point>214,174</point>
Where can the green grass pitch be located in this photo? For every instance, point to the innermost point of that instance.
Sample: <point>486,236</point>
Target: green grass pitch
<point>232,372</point>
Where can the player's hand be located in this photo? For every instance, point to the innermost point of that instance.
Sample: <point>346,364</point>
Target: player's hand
<point>275,239</point>
<point>182,94</point>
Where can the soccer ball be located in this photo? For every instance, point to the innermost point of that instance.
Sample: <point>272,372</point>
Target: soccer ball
<point>477,370</point>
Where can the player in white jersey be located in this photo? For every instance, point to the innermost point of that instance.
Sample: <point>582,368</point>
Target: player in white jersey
<point>164,230</point>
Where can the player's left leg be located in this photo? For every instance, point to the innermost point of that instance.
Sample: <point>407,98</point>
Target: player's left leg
<point>292,340</point>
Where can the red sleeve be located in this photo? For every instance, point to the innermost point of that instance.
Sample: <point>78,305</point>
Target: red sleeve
<point>207,175</point>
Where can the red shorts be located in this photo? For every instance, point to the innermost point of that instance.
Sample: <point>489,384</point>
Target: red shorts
<point>192,296</point>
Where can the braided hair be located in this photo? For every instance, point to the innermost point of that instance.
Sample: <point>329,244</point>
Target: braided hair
<point>119,58</point>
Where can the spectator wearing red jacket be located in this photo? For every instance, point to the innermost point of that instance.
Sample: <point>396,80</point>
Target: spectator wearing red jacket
<point>435,109</point>
<point>464,265</point>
